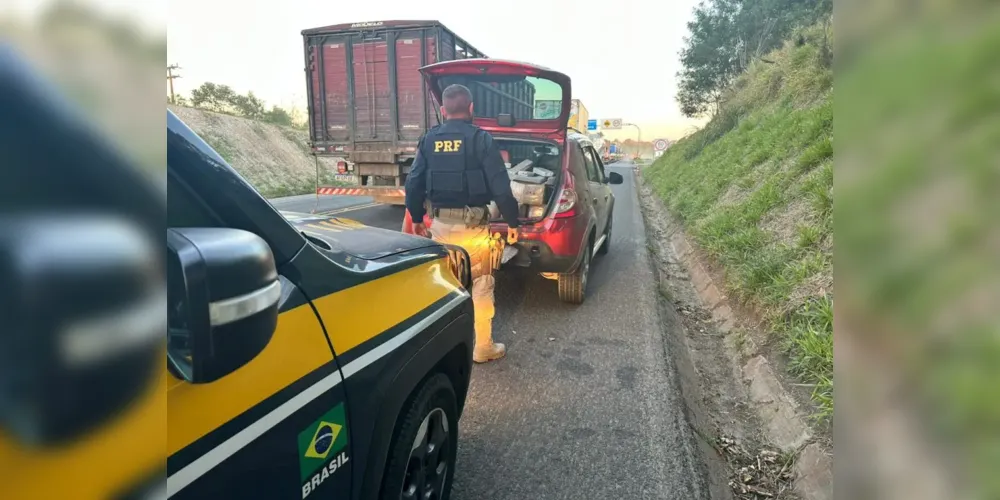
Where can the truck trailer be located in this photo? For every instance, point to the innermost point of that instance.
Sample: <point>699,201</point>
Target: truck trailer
<point>368,102</point>
<point>578,116</point>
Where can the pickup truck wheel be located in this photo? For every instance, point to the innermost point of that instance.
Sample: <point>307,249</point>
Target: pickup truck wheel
<point>573,287</point>
<point>422,455</point>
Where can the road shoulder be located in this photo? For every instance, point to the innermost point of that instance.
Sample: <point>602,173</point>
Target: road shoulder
<point>741,401</point>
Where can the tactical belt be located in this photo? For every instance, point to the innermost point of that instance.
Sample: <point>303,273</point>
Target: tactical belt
<point>470,216</point>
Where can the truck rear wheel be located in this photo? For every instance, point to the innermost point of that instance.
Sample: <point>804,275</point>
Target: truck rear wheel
<point>573,286</point>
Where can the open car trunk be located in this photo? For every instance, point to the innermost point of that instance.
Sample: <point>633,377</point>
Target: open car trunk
<point>535,169</point>
<point>526,107</point>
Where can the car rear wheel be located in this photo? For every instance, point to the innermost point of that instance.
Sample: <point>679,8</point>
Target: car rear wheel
<point>573,286</point>
<point>423,451</point>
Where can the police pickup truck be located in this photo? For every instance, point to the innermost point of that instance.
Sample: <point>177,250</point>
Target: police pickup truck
<point>315,360</point>
<point>309,357</point>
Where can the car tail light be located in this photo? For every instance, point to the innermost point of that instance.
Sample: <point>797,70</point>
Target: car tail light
<point>566,206</point>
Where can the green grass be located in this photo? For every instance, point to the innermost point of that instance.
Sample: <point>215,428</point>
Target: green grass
<point>755,189</point>
<point>917,226</point>
<point>810,340</point>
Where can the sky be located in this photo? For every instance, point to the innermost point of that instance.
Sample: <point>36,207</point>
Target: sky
<point>622,56</point>
<point>149,15</point>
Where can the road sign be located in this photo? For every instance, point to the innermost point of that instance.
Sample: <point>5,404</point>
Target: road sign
<point>611,123</point>
<point>591,124</point>
<point>657,154</point>
<point>660,144</point>
<point>547,109</point>
<point>613,148</point>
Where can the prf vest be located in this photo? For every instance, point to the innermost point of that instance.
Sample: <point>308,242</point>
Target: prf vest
<point>455,176</point>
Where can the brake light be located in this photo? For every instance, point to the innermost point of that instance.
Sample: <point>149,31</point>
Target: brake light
<point>566,206</point>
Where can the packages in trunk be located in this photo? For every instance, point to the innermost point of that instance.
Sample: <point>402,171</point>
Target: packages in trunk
<point>528,193</point>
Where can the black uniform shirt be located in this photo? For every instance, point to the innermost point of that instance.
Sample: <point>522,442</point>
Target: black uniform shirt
<point>494,170</point>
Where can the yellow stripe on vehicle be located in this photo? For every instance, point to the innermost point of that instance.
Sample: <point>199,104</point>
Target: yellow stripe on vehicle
<point>360,313</point>
<point>297,348</point>
<point>121,453</point>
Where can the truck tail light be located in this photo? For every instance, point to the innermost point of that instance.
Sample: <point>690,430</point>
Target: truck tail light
<point>566,206</point>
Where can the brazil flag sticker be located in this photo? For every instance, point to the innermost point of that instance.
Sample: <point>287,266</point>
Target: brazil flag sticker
<point>321,441</point>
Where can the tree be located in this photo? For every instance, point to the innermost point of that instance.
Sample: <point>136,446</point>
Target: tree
<point>214,97</point>
<point>249,106</point>
<point>726,36</point>
<point>223,99</point>
<point>279,116</point>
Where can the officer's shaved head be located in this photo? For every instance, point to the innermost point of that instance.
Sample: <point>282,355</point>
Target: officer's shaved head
<point>456,102</point>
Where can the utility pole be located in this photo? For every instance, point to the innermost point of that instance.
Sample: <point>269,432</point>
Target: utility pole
<point>638,146</point>
<point>170,79</point>
<point>637,128</point>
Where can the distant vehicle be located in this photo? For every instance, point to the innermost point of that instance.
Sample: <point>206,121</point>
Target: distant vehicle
<point>368,102</point>
<point>578,116</point>
<point>568,219</point>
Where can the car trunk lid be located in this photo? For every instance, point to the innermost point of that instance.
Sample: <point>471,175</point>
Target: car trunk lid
<point>512,98</point>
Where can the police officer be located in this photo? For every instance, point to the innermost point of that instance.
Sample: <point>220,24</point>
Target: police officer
<point>458,170</point>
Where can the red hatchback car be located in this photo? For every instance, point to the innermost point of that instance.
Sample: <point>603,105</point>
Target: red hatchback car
<point>566,220</point>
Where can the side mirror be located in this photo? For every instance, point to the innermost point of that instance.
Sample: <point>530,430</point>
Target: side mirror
<point>83,323</point>
<point>615,178</point>
<point>222,301</point>
<point>461,265</point>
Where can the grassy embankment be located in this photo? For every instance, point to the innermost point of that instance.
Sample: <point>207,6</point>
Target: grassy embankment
<point>755,190</point>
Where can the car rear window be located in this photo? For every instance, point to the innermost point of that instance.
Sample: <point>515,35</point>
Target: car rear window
<point>523,97</point>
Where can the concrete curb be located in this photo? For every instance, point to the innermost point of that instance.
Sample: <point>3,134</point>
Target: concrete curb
<point>784,425</point>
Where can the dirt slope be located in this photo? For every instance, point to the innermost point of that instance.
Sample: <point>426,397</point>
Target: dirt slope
<point>273,158</point>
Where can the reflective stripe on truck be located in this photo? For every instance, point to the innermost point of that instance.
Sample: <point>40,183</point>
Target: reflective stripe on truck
<point>361,191</point>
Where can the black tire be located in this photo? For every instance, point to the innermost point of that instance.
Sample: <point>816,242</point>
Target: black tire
<point>573,286</point>
<point>607,239</point>
<point>409,462</point>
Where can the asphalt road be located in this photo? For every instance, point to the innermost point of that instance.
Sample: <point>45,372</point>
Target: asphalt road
<point>310,203</point>
<point>586,404</point>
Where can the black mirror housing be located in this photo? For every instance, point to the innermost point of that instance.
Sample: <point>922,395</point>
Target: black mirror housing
<point>82,308</point>
<point>461,265</point>
<point>615,178</point>
<point>223,296</point>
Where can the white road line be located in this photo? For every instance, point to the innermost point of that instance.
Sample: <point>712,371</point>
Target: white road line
<point>184,477</point>
<point>348,209</point>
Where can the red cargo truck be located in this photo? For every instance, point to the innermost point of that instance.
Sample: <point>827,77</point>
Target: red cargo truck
<point>368,102</point>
